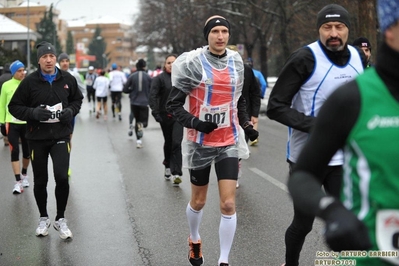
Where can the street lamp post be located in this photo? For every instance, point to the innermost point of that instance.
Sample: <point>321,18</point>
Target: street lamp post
<point>28,43</point>
<point>55,28</point>
<point>104,61</point>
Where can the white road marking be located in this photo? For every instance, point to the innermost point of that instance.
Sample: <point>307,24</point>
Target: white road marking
<point>267,177</point>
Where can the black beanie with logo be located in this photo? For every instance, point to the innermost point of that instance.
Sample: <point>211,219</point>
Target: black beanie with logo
<point>333,12</point>
<point>45,48</point>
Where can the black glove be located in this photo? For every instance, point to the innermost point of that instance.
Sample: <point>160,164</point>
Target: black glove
<point>251,133</point>
<point>40,113</point>
<point>66,116</point>
<point>206,127</point>
<point>3,130</point>
<point>344,231</point>
<point>158,118</point>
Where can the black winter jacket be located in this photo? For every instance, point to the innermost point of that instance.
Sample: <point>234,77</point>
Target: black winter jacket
<point>34,91</point>
<point>161,86</point>
<point>251,92</point>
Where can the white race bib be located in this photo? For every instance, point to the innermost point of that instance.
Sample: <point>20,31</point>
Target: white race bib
<point>387,233</point>
<point>218,114</point>
<point>55,113</point>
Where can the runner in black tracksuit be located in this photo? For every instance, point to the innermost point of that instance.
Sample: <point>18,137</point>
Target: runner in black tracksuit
<point>48,133</point>
<point>172,130</point>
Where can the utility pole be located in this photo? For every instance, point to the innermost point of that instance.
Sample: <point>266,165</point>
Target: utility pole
<point>28,43</point>
<point>55,27</point>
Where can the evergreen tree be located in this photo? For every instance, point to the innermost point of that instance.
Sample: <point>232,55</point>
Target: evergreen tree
<point>47,29</point>
<point>97,48</point>
<point>9,56</point>
<point>70,46</point>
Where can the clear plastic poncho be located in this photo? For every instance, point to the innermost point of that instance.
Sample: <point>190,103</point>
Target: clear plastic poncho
<point>213,86</point>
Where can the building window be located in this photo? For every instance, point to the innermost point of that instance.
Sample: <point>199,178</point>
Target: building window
<point>14,45</point>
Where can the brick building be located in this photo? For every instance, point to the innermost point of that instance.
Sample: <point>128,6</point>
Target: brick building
<point>116,34</point>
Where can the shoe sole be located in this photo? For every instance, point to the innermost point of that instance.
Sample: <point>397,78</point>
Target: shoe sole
<point>176,182</point>
<point>42,235</point>
<point>46,234</point>
<point>63,237</point>
<point>203,261</point>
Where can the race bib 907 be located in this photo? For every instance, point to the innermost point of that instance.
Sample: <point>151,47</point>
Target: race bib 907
<point>217,114</point>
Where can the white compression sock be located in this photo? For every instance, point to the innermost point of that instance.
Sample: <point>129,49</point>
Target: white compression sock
<point>227,230</point>
<point>194,219</point>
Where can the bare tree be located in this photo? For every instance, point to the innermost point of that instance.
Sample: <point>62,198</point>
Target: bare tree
<point>269,29</point>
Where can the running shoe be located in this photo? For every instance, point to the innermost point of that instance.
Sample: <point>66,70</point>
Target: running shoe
<point>62,228</point>
<point>176,180</point>
<point>223,264</point>
<point>130,132</point>
<point>167,174</point>
<point>44,224</point>
<point>25,181</point>
<point>120,116</point>
<point>98,115</point>
<point>139,130</point>
<point>139,145</point>
<point>195,253</point>
<point>18,188</point>
<point>253,143</point>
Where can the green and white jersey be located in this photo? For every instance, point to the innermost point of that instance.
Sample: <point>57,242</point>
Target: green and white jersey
<point>371,168</point>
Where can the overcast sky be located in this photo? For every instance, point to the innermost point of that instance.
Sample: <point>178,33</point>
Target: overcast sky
<point>93,9</point>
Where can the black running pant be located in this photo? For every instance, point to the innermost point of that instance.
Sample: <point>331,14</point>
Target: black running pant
<point>91,94</point>
<point>15,132</point>
<point>141,115</point>
<point>173,134</point>
<point>116,97</point>
<point>59,151</point>
<point>302,224</point>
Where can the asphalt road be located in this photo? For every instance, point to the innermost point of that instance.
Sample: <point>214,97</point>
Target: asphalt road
<point>122,212</point>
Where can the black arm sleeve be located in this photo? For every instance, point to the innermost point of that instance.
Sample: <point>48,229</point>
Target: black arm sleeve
<point>154,95</point>
<point>128,84</point>
<point>242,112</point>
<point>254,95</point>
<point>296,71</point>
<point>19,106</point>
<point>333,125</point>
<point>174,105</point>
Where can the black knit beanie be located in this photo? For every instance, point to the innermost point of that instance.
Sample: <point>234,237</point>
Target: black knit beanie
<point>45,48</point>
<point>141,64</point>
<point>217,21</point>
<point>333,12</point>
<point>62,56</point>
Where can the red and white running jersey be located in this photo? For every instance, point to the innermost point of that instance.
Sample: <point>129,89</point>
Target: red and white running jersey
<point>215,100</point>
